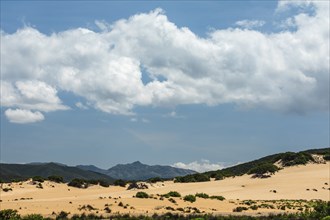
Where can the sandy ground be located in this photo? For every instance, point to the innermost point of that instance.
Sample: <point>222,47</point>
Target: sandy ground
<point>294,183</point>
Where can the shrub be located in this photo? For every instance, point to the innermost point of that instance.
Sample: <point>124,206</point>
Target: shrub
<point>120,182</point>
<point>172,200</point>
<point>291,159</point>
<point>155,180</point>
<point>56,179</point>
<point>8,214</point>
<point>219,176</point>
<point>38,179</point>
<point>33,217</point>
<point>189,198</point>
<point>142,195</point>
<point>39,186</point>
<point>264,168</point>
<point>7,189</point>
<point>202,195</point>
<point>107,210</point>
<point>120,204</point>
<point>79,183</point>
<point>87,207</point>
<point>240,209</point>
<point>326,157</point>
<point>62,215</point>
<point>172,194</point>
<point>221,198</point>
<point>254,207</point>
<point>199,177</point>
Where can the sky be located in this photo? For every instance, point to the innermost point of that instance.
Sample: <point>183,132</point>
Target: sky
<point>192,84</point>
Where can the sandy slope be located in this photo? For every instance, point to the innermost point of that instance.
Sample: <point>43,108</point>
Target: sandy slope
<point>289,183</point>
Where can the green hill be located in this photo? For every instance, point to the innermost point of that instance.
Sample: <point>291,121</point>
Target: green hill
<point>9,172</point>
<point>287,159</point>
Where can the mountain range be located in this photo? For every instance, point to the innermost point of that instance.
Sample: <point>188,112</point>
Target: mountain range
<point>133,171</point>
<point>139,171</point>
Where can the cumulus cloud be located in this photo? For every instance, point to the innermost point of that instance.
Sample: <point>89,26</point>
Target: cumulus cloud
<point>285,71</point>
<point>250,24</point>
<point>200,166</point>
<point>22,116</point>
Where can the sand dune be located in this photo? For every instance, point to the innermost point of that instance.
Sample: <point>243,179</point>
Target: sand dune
<point>294,183</point>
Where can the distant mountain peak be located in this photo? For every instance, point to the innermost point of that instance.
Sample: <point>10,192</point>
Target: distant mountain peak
<point>140,171</point>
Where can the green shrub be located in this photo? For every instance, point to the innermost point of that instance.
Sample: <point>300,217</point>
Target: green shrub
<point>120,182</point>
<point>219,176</point>
<point>264,168</point>
<point>56,179</point>
<point>9,214</point>
<point>38,179</point>
<point>199,177</point>
<point>62,215</point>
<point>189,198</point>
<point>240,209</point>
<point>104,183</point>
<point>155,180</point>
<point>172,194</point>
<point>326,157</point>
<point>79,183</point>
<point>142,195</point>
<point>221,198</point>
<point>291,159</point>
<point>33,217</point>
<point>202,195</point>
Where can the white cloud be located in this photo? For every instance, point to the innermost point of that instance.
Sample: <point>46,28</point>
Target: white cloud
<point>285,71</point>
<point>31,95</point>
<point>200,166</point>
<point>22,116</point>
<point>250,24</point>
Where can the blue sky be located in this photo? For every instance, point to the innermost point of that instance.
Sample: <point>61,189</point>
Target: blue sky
<point>196,84</point>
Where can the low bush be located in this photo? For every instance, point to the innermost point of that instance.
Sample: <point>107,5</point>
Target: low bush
<point>7,214</point>
<point>62,215</point>
<point>240,209</point>
<point>189,198</point>
<point>56,179</point>
<point>326,157</point>
<point>38,179</point>
<point>78,183</point>
<point>264,168</point>
<point>221,198</point>
<point>155,180</point>
<point>120,182</point>
<point>7,189</point>
<point>202,195</point>
<point>142,195</point>
<point>172,194</point>
<point>33,217</point>
<point>192,178</point>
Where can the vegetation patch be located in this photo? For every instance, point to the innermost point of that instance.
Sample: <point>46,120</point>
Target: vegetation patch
<point>189,198</point>
<point>172,194</point>
<point>202,195</point>
<point>142,195</point>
